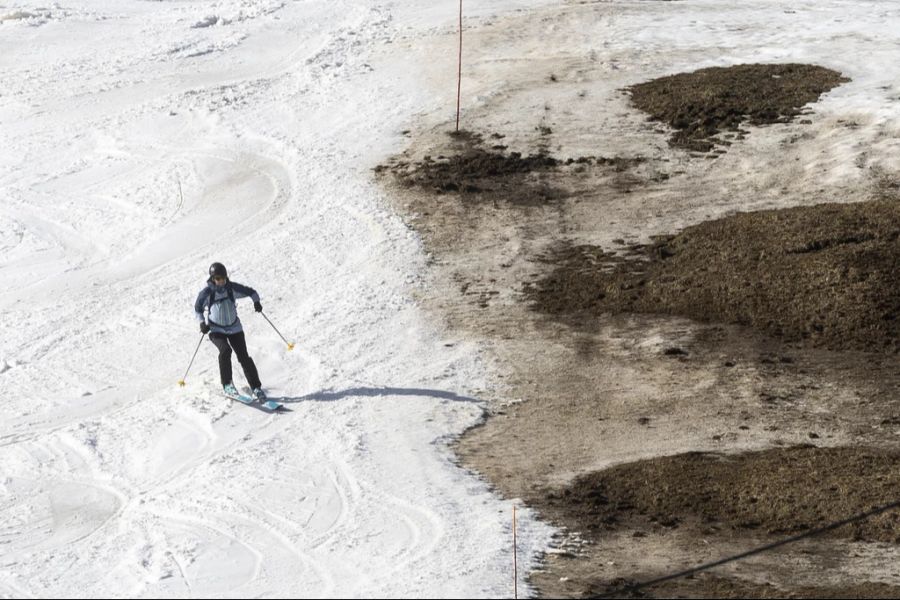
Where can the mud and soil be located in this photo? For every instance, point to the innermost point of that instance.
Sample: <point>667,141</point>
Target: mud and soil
<point>826,275</point>
<point>674,398</point>
<point>702,105</point>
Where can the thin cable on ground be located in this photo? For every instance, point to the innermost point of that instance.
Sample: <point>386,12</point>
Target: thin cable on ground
<point>631,589</point>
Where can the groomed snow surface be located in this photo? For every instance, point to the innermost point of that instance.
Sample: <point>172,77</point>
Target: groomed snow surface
<point>141,141</point>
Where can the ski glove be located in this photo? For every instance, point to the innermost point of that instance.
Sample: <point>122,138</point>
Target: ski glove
<point>204,328</point>
<point>257,306</point>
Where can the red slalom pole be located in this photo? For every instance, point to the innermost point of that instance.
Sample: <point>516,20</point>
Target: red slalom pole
<point>515,559</point>
<point>459,74</point>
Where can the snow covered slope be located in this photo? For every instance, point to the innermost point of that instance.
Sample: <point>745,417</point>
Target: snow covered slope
<point>140,141</point>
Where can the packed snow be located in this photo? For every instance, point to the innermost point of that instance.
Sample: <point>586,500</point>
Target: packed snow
<point>142,141</point>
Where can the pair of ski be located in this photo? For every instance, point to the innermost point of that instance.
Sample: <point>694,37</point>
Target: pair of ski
<point>265,405</point>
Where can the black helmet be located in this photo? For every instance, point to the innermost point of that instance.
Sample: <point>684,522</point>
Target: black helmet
<point>217,269</point>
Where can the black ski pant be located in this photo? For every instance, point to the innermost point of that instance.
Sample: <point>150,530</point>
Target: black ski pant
<point>225,343</point>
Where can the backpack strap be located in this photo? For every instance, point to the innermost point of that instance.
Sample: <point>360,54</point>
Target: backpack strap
<point>212,295</point>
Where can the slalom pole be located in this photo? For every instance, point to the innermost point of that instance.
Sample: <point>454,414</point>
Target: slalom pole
<point>289,344</point>
<point>515,559</point>
<point>459,73</point>
<point>181,381</point>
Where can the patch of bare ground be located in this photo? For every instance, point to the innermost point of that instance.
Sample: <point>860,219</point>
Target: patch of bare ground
<point>701,105</point>
<point>825,275</point>
<point>480,173</point>
<point>720,587</point>
<point>780,491</point>
<point>770,371</point>
<point>775,492</point>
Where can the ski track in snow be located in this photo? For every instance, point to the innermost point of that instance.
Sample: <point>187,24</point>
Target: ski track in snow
<point>242,132</point>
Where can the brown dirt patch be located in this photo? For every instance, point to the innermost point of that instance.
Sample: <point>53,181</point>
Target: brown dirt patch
<point>778,492</point>
<point>702,104</point>
<point>710,586</point>
<point>468,168</point>
<point>826,275</point>
<point>476,173</point>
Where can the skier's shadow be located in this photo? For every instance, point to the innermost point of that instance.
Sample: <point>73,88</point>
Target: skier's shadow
<point>375,392</point>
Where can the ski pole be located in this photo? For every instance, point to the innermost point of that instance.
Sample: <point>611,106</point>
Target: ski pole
<point>181,381</point>
<point>289,345</point>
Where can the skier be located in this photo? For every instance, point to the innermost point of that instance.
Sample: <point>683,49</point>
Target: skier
<point>224,327</point>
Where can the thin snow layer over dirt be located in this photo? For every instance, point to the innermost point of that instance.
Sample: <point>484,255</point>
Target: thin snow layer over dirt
<point>644,393</point>
<point>141,141</point>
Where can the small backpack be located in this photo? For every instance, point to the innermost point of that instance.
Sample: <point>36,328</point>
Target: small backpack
<point>232,311</point>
